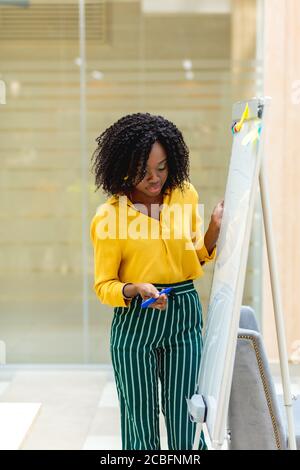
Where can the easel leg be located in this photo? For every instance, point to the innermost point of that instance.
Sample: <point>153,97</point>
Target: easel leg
<point>277,304</point>
<point>197,436</point>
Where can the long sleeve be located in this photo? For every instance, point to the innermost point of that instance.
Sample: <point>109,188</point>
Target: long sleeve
<point>197,237</point>
<point>107,259</point>
<point>122,254</point>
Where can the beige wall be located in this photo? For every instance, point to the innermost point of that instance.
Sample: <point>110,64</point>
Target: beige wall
<point>282,69</point>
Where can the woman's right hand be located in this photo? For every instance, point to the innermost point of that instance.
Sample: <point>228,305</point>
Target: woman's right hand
<point>147,291</point>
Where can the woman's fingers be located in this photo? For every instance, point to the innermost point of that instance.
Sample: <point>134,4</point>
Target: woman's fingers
<point>160,303</point>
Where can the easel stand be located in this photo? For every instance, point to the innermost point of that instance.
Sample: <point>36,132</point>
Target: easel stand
<point>197,404</point>
<point>277,304</point>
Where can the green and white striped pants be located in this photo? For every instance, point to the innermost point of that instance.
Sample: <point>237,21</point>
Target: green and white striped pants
<point>147,345</point>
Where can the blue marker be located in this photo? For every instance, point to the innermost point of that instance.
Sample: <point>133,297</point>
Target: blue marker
<point>154,299</point>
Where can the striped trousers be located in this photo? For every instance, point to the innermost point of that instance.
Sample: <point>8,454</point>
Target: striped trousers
<point>148,345</point>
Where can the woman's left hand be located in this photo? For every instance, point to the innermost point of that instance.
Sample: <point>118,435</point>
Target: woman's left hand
<point>213,231</point>
<point>216,217</point>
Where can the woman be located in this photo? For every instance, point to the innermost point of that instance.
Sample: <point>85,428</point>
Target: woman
<point>142,162</point>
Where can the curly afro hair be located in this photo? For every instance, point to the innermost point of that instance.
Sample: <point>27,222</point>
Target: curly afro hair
<point>124,147</point>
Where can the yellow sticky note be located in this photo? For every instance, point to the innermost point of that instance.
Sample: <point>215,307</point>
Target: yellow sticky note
<point>245,115</point>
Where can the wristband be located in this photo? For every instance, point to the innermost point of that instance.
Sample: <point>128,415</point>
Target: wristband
<point>125,296</point>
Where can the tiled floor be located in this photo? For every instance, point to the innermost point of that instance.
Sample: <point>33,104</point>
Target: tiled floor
<point>79,409</point>
<point>16,420</point>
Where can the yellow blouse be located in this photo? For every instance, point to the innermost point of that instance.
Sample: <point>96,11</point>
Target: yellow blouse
<point>130,246</point>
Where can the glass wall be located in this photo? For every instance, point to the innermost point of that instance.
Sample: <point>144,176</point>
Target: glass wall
<point>71,69</point>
